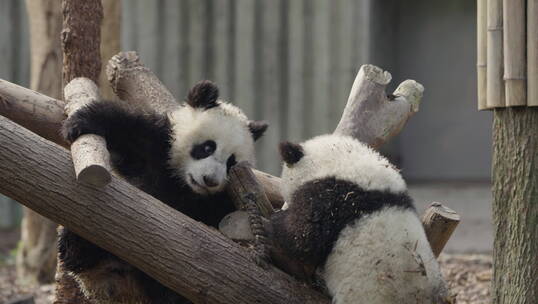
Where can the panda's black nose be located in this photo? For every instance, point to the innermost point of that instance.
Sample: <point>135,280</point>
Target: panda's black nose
<point>210,181</point>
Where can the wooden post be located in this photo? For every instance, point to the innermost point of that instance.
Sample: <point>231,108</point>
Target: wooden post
<point>514,52</point>
<point>481,52</point>
<point>81,41</point>
<point>82,58</point>
<point>515,205</point>
<point>495,85</point>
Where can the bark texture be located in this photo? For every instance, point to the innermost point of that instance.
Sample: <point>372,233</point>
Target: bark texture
<point>36,257</point>
<point>81,39</point>
<point>36,112</point>
<point>185,255</point>
<point>81,42</point>
<point>515,205</point>
<point>439,222</point>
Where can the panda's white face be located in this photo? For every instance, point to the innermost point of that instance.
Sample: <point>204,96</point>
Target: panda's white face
<point>337,156</point>
<point>207,142</point>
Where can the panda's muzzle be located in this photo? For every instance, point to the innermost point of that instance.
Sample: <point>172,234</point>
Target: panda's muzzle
<point>209,182</point>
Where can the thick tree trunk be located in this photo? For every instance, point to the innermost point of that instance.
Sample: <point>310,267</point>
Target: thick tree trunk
<point>81,40</point>
<point>36,258</point>
<point>187,256</point>
<point>515,205</point>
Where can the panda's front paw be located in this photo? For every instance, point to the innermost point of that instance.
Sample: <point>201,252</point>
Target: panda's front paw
<point>71,129</point>
<point>79,124</point>
<point>260,259</point>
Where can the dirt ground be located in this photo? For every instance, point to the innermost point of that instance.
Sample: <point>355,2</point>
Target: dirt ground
<point>468,276</point>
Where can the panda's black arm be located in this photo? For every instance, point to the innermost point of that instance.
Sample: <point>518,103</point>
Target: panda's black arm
<point>298,235</point>
<point>138,141</point>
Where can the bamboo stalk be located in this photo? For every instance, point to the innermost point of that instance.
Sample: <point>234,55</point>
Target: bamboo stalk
<point>532,53</point>
<point>514,52</point>
<point>481,54</point>
<point>495,83</point>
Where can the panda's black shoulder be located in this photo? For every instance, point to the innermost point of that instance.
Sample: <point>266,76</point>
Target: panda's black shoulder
<point>322,208</point>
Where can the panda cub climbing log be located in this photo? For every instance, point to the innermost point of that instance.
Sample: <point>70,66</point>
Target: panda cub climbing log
<point>181,158</point>
<point>348,212</point>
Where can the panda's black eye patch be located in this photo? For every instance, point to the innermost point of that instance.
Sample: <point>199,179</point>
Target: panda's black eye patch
<point>230,162</point>
<point>203,150</point>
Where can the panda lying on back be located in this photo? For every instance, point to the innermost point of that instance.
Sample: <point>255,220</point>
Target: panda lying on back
<point>182,159</point>
<point>349,213</point>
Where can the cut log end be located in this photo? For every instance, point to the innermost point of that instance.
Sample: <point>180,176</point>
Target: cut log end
<point>439,223</point>
<point>120,62</point>
<point>91,160</point>
<point>412,91</point>
<point>374,74</point>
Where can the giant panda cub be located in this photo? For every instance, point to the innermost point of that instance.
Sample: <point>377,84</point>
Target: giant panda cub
<point>348,213</point>
<point>181,158</point>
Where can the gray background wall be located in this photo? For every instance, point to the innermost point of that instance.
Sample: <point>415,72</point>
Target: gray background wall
<point>293,63</point>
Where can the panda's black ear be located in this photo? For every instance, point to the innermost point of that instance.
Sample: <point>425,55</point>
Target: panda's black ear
<point>257,128</point>
<point>203,95</point>
<point>291,153</point>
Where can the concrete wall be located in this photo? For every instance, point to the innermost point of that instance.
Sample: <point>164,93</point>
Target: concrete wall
<point>434,42</point>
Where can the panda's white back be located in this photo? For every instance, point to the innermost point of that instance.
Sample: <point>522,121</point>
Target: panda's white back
<point>383,258</point>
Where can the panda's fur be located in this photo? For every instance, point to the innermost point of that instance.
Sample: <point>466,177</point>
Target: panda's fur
<point>181,158</point>
<point>348,213</point>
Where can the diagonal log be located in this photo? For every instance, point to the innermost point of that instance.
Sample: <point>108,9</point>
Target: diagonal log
<point>187,256</point>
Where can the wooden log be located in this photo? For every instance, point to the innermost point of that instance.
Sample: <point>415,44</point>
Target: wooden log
<point>81,41</point>
<point>439,222</point>
<point>370,116</point>
<point>186,256</point>
<point>481,52</point>
<point>514,49</point>
<point>91,158</point>
<point>244,186</point>
<point>135,83</point>
<point>495,84</point>
<point>36,112</point>
<point>532,53</point>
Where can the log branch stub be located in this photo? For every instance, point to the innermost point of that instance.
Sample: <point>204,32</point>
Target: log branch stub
<point>138,85</point>
<point>186,255</point>
<point>271,186</point>
<point>372,117</point>
<point>243,187</point>
<point>91,158</point>
<point>439,222</point>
